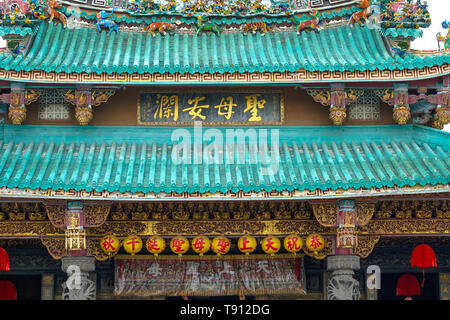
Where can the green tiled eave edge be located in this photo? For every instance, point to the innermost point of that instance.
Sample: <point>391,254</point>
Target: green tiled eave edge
<point>337,49</point>
<point>359,157</point>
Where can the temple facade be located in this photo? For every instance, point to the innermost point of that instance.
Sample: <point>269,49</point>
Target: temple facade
<point>207,149</point>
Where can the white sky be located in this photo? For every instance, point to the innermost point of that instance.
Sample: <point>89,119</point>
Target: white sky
<point>439,11</point>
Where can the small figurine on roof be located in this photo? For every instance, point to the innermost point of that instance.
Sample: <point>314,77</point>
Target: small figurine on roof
<point>446,39</point>
<point>103,22</point>
<point>253,27</point>
<point>361,15</point>
<point>310,20</point>
<point>206,26</point>
<point>161,27</point>
<point>400,49</point>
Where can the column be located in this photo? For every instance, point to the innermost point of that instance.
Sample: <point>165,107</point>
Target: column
<point>338,108</point>
<point>341,285</point>
<point>76,264</point>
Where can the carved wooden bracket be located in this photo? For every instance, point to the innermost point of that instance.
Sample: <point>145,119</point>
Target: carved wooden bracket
<point>326,213</point>
<point>365,246</point>
<point>56,214</point>
<point>56,247</point>
<point>84,98</point>
<point>96,251</point>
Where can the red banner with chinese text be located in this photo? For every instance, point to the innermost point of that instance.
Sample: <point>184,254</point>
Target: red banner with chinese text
<point>209,275</point>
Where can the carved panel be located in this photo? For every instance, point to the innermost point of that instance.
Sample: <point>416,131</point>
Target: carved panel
<point>364,212</point>
<point>55,246</point>
<point>326,213</point>
<point>56,214</point>
<point>365,245</point>
<point>96,215</point>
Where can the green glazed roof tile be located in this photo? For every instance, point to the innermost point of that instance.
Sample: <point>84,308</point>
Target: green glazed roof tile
<point>135,159</point>
<point>59,49</point>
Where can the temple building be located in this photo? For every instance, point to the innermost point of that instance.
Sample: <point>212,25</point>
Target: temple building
<point>246,149</point>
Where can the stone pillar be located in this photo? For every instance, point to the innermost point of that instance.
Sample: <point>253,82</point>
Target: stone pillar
<point>341,285</point>
<point>78,286</point>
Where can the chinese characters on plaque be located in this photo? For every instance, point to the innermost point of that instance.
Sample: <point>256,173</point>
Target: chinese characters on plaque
<point>228,108</point>
<point>192,276</point>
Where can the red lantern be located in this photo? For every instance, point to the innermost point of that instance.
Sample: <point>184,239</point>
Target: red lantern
<point>4,260</point>
<point>8,290</point>
<point>408,285</point>
<point>423,257</point>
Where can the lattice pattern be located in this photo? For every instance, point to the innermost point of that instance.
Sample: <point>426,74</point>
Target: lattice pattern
<point>52,106</point>
<point>366,107</point>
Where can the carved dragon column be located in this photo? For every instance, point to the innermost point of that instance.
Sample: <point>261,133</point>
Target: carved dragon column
<point>337,98</point>
<point>346,216</point>
<point>76,264</point>
<point>341,285</point>
<point>84,98</point>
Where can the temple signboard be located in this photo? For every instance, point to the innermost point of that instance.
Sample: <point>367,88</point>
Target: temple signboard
<point>209,275</point>
<point>215,108</point>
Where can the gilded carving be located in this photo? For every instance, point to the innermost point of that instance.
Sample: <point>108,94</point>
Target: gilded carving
<point>83,115</point>
<point>119,214</point>
<point>17,114</point>
<point>200,213</point>
<point>55,247</point>
<point>96,215</point>
<point>402,114</point>
<point>16,213</point>
<point>241,213</point>
<point>321,96</point>
<point>441,118</point>
<point>100,96</point>
<point>282,212</point>
<point>365,245</point>
<point>95,250</point>
<point>406,226</point>
<point>56,214</point>
<point>28,229</point>
<point>180,214</point>
<point>260,211</point>
<point>338,115</point>
<point>326,213</point>
<point>301,211</point>
<point>221,213</point>
<point>364,212</point>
